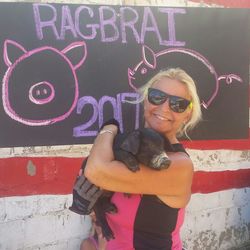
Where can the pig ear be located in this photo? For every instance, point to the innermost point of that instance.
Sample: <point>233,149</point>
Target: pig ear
<point>132,142</point>
<point>12,51</point>
<point>148,57</point>
<point>76,53</point>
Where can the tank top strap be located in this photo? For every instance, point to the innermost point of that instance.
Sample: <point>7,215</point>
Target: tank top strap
<point>178,147</point>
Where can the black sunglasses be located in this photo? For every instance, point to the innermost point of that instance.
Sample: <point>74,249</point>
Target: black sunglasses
<point>176,103</point>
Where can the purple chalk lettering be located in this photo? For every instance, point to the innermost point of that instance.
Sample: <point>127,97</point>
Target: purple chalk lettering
<point>171,26</point>
<point>67,22</point>
<point>98,110</point>
<point>128,23</point>
<point>92,27</point>
<point>119,111</point>
<point>40,25</point>
<point>111,22</point>
<point>77,24</point>
<point>101,103</point>
<point>137,107</point>
<point>81,129</point>
<point>121,98</point>
<point>148,15</point>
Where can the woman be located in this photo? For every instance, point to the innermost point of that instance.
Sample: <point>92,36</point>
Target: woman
<point>151,218</point>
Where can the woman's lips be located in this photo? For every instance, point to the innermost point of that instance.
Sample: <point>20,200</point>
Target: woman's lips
<point>162,118</point>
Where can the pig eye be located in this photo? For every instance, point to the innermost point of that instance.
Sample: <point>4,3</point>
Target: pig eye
<point>143,71</point>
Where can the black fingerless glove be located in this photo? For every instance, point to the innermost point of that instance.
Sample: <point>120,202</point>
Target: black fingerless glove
<point>85,195</point>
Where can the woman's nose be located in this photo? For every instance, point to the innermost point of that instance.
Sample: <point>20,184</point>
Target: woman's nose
<point>165,106</point>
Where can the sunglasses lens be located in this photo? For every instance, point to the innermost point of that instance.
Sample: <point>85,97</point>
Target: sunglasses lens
<point>156,97</point>
<point>178,104</point>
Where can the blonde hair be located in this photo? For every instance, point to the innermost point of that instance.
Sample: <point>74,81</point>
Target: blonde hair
<point>181,76</point>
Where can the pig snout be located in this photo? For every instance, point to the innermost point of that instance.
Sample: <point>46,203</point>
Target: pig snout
<point>161,161</point>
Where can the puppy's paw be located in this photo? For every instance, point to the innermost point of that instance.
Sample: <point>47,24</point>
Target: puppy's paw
<point>133,167</point>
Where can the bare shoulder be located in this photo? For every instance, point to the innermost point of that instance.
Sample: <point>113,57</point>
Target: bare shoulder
<point>181,159</point>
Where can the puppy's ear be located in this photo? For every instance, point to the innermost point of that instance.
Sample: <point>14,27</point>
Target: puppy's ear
<point>132,142</point>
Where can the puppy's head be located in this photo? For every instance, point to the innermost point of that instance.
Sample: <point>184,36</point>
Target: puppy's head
<point>152,149</point>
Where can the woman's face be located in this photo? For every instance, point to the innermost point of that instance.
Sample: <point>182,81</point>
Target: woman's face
<point>161,118</point>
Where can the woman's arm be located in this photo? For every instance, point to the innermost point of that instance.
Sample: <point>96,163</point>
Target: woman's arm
<point>105,172</point>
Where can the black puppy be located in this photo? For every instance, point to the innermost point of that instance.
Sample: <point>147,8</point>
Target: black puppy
<point>143,146</point>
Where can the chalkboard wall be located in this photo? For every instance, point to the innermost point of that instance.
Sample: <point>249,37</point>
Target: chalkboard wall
<point>67,68</point>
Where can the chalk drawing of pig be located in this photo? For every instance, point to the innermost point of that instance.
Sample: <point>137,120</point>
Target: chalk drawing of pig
<point>40,87</point>
<point>150,61</point>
